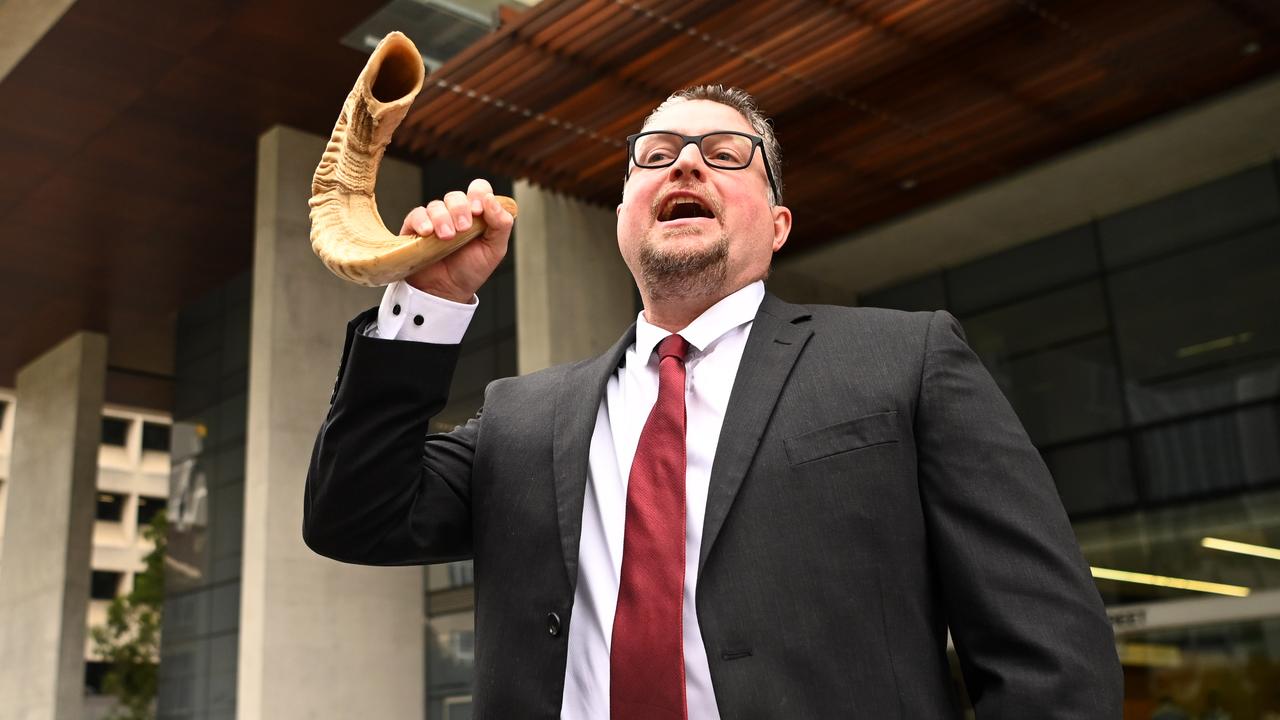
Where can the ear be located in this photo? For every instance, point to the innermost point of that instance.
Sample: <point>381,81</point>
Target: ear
<point>781,226</point>
<point>618,210</point>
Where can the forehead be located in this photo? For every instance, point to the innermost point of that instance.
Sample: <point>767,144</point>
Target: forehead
<point>695,117</point>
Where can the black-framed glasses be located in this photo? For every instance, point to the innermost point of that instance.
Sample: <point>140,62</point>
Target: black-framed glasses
<point>723,149</point>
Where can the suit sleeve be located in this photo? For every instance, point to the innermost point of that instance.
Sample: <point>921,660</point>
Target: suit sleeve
<point>381,489</point>
<point>1028,624</point>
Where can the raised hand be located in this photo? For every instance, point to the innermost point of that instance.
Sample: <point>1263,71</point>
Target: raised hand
<point>458,276</point>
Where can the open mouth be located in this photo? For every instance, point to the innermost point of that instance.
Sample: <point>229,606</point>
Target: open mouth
<point>683,207</point>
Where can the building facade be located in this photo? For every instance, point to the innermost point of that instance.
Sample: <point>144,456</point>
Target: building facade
<point>132,486</point>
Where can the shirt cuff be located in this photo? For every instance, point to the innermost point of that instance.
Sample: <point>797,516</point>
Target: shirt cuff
<point>407,313</point>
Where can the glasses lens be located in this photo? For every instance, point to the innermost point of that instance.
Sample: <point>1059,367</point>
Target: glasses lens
<point>727,150</point>
<point>657,149</point>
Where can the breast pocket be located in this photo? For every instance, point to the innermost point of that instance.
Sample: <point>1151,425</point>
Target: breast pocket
<point>848,436</point>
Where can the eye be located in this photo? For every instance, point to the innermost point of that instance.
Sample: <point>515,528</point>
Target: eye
<point>727,152</point>
<point>654,157</point>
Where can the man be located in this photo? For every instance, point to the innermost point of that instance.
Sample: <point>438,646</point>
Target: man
<point>777,513</point>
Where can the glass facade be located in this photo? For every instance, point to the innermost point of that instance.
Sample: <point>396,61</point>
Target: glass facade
<point>198,654</point>
<point>488,351</point>
<point>1142,353</point>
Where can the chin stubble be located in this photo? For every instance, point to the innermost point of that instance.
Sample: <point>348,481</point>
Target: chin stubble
<point>675,274</point>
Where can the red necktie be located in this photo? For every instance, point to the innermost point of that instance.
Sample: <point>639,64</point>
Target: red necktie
<point>646,660</point>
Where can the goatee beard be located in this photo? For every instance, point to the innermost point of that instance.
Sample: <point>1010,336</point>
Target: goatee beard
<point>672,274</point>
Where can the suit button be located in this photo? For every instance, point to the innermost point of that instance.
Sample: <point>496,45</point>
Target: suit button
<point>553,625</point>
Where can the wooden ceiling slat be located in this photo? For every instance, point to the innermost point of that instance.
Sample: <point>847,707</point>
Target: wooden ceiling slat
<point>882,106</point>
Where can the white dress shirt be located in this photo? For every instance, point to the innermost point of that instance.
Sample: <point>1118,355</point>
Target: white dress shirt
<point>717,339</point>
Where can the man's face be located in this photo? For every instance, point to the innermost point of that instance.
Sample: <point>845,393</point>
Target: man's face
<point>671,257</point>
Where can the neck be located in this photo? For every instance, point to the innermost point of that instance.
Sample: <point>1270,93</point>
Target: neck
<point>674,314</point>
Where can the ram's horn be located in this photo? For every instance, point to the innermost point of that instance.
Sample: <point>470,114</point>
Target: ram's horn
<point>347,233</point>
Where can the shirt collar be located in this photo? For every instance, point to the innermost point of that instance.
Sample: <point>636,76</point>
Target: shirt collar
<point>732,311</point>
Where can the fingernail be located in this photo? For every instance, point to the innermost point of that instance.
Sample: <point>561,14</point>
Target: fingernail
<point>464,222</point>
<point>424,228</point>
<point>476,207</point>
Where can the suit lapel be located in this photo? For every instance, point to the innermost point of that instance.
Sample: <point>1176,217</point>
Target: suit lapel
<point>778,334</point>
<point>577,405</point>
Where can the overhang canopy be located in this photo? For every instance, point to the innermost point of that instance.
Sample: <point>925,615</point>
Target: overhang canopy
<point>127,157</point>
<point>881,106</point>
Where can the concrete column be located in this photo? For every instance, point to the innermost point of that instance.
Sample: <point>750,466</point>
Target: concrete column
<point>44,573</point>
<point>25,22</point>
<point>574,295</point>
<point>318,639</point>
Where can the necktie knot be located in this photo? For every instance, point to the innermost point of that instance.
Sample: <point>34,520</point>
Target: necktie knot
<point>673,346</point>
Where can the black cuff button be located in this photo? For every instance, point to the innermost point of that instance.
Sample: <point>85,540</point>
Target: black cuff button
<point>395,310</point>
<point>417,319</point>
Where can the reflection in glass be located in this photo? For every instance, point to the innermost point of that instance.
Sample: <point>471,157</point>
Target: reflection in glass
<point>1072,313</point>
<point>1064,393</point>
<point>1169,542</point>
<point>1199,330</point>
<point>1093,476</point>
<point>1211,672</point>
<point>1215,454</point>
<point>1037,266</point>
<point>450,660</point>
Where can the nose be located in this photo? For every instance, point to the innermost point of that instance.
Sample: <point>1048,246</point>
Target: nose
<point>689,161</point>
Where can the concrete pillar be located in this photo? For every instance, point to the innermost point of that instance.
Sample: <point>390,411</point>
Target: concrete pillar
<point>574,295</point>
<point>318,639</point>
<point>25,22</point>
<point>44,573</point>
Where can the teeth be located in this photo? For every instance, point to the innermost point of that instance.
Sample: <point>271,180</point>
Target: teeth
<point>672,205</point>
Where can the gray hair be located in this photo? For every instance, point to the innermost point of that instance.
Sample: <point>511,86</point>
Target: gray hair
<point>741,101</point>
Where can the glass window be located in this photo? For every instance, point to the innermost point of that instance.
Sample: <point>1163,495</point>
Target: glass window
<point>1063,393</point>
<point>1199,329</point>
<point>94,672</point>
<point>1093,476</point>
<point>115,431</point>
<point>104,584</point>
<point>926,293</point>
<point>1046,263</point>
<point>450,657</point>
<point>1220,209</point>
<point>148,507</point>
<point>461,573</point>
<point>110,507</point>
<point>457,707</point>
<point>1227,671</point>
<point>450,575</point>
<point>1169,542</point>
<point>1066,315</point>
<point>1212,455</point>
<point>155,437</point>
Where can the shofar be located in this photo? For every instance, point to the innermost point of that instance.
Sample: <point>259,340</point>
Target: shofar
<point>347,233</point>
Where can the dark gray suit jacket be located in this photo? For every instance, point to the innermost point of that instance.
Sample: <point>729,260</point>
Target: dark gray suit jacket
<point>871,488</point>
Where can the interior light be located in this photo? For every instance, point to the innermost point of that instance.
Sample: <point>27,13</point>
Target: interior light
<point>1150,655</point>
<point>1169,582</point>
<point>1261,551</point>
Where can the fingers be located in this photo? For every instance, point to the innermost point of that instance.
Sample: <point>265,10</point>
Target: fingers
<point>477,191</point>
<point>453,214</point>
<point>497,219</point>
<point>416,223</point>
